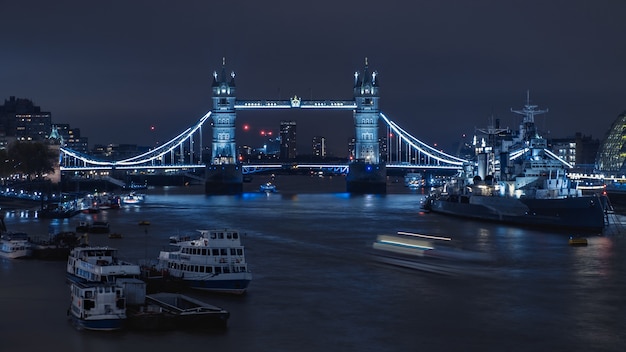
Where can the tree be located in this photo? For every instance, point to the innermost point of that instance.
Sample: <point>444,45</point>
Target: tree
<point>31,158</point>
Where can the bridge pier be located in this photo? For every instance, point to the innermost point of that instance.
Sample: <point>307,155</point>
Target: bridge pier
<point>364,178</point>
<point>223,179</point>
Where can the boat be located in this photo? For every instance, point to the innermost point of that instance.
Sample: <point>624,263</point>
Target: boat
<point>115,235</point>
<point>577,241</point>
<point>58,211</point>
<point>82,227</point>
<point>214,261</point>
<point>175,311</point>
<point>267,187</point>
<point>97,306</point>
<point>413,180</point>
<point>136,186</point>
<point>180,238</point>
<point>98,264</point>
<point>99,227</point>
<point>56,246</point>
<point>15,245</point>
<point>430,253</point>
<point>413,185</point>
<point>515,179</point>
<point>94,227</point>
<point>144,223</point>
<point>133,198</point>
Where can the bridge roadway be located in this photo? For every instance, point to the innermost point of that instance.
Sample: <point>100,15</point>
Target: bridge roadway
<point>253,168</point>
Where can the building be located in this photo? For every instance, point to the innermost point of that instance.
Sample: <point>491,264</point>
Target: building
<point>351,147</point>
<point>118,151</point>
<point>611,158</point>
<point>319,146</point>
<point>564,148</point>
<point>25,121</point>
<point>383,142</point>
<point>71,138</point>
<point>580,151</point>
<point>288,150</point>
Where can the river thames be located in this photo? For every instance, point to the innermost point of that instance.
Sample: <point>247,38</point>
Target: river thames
<point>316,286</point>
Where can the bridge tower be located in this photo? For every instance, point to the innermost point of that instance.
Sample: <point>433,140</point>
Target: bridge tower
<point>223,174</point>
<point>367,173</point>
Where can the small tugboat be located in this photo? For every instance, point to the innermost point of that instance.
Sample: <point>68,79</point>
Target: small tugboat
<point>99,227</point>
<point>95,227</point>
<point>577,241</point>
<point>213,262</point>
<point>97,306</point>
<point>267,187</point>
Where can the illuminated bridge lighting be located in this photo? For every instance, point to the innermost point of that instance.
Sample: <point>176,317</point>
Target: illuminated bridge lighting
<point>170,155</point>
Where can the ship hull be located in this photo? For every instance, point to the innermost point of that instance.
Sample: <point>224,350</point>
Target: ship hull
<point>571,214</point>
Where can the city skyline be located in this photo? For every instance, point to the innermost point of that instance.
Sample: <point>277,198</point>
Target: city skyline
<point>116,69</point>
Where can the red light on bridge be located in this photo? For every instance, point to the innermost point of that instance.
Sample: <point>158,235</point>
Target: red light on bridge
<point>246,127</point>
<point>152,128</point>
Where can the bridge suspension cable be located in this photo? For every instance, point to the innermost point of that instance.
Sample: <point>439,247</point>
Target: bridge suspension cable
<point>409,152</point>
<point>144,159</point>
<point>416,150</point>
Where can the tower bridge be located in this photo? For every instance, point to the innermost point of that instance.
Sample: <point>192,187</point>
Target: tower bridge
<point>223,173</point>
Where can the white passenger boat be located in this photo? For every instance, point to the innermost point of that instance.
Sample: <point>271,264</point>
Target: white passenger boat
<point>98,264</point>
<point>15,245</point>
<point>97,306</point>
<point>215,261</point>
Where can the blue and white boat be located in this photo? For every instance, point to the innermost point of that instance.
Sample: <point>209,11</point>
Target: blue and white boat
<point>99,264</point>
<point>97,306</point>
<point>215,261</point>
<point>267,187</point>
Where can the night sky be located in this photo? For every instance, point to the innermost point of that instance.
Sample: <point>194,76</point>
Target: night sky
<point>116,68</point>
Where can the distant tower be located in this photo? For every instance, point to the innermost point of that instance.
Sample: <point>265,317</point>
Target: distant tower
<point>366,116</point>
<point>223,174</point>
<point>223,117</point>
<point>367,173</point>
<point>319,146</point>
<point>288,150</point>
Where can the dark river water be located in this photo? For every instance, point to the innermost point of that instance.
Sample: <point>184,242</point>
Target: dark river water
<point>316,286</point>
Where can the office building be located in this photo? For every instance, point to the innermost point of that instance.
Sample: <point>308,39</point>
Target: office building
<point>288,150</point>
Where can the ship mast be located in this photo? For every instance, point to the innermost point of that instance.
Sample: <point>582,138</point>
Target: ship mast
<point>527,127</point>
